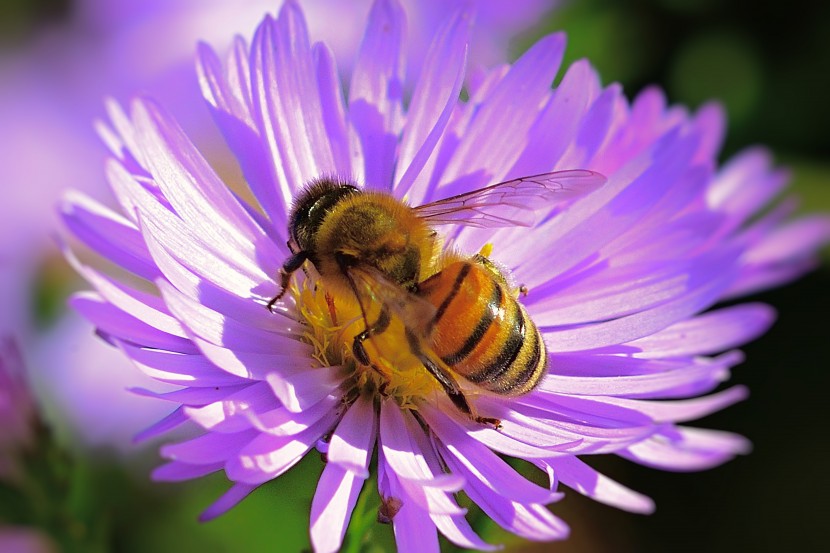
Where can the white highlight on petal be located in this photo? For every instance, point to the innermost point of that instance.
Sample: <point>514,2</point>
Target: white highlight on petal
<point>352,443</point>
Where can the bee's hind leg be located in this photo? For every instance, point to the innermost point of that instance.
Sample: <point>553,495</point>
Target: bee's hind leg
<point>448,383</point>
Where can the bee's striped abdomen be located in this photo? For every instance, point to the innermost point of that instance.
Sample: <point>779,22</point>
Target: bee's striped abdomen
<point>481,332</point>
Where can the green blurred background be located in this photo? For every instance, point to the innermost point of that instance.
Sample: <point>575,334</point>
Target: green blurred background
<point>768,63</point>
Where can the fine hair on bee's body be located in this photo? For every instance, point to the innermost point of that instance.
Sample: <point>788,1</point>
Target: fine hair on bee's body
<point>333,223</point>
<point>460,314</point>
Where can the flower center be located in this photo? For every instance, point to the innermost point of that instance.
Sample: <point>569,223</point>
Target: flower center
<point>331,324</point>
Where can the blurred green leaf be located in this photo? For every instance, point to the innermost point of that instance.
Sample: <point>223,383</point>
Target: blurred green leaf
<point>274,517</point>
<point>54,281</point>
<point>722,65</point>
<point>811,183</point>
<point>615,38</point>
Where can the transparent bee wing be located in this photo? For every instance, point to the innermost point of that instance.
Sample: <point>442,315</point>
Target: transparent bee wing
<point>373,288</point>
<point>513,202</point>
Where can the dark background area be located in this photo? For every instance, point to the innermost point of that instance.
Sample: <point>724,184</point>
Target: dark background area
<point>768,63</point>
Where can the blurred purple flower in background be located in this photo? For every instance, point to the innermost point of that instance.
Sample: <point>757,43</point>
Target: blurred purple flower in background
<point>52,90</point>
<point>88,387</point>
<point>17,408</point>
<point>25,540</point>
<point>619,282</point>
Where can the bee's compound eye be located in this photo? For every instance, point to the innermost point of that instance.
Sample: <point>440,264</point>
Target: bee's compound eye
<point>312,205</point>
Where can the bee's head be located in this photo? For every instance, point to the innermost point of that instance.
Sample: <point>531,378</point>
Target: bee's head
<point>310,208</point>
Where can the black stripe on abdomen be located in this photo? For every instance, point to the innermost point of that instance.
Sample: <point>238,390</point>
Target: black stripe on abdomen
<point>509,351</point>
<point>456,286</point>
<point>532,365</point>
<point>486,321</point>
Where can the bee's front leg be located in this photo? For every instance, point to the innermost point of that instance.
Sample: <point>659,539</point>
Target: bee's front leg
<point>291,264</point>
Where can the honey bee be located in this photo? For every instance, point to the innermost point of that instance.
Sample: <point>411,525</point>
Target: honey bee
<point>460,314</point>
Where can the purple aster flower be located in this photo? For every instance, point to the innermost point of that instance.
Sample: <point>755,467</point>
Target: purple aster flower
<point>620,282</point>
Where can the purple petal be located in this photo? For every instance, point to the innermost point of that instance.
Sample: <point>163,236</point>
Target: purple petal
<point>487,467</point>
<point>376,91</point>
<point>331,508</point>
<point>345,146</point>
<point>193,396</point>
<point>433,100</point>
<point>710,119</point>
<point>696,449</point>
<point>420,484</point>
<point>110,320</point>
<point>605,215</point>
<point>756,279</point>
<point>709,333</point>
<point>282,422</point>
<point>267,456</point>
<point>209,447</point>
<point>217,297</point>
<point>171,421</point>
<point>647,121</point>
<point>536,427</point>
<point>671,383</point>
<point>304,388</point>
<point>588,411</point>
<point>229,499</point>
<point>108,234</point>
<point>532,521</point>
<point>707,280</point>
<point>253,365</point>
<point>679,207</point>
<point>506,118</point>
<point>595,129</point>
<point>555,128</point>
<point>287,102</point>
<point>793,241</point>
<point>614,292</point>
<point>230,414</point>
<point>224,331</point>
<point>745,184</point>
<point>140,305</point>
<point>577,475</point>
<point>684,410</point>
<point>458,531</point>
<point>402,453</point>
<point>414,529</point>
<point>352,443</point>
<point>495,440</point>
<point>130,152</point>
<point>233,270</point>
<point>175,471</point>
<point>178,368</point>
<point>194,190</point>
<point>230,105</point>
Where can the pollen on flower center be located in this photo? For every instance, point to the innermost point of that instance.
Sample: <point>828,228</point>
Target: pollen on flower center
<point>331,324</point>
